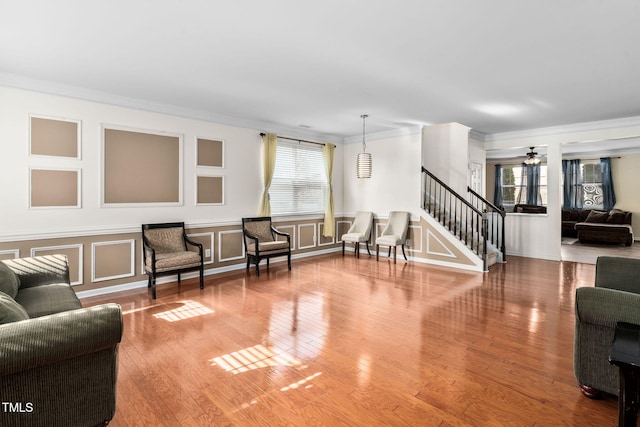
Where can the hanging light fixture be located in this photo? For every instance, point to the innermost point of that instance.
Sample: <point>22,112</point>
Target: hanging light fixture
<point>363,164</point>
<point>532,158</point>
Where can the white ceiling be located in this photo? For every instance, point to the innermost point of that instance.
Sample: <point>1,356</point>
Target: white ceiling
<point>495,65</point>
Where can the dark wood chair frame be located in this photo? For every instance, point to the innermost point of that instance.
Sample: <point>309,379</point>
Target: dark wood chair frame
<point>258,256</point>
<point>153,274</point>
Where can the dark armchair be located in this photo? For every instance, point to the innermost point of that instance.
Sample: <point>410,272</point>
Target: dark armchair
<point>261,242</point>
<point>615,298</point>
<point>166,252</point>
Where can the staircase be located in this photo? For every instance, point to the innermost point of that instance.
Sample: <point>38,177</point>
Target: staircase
<point>476,222</point>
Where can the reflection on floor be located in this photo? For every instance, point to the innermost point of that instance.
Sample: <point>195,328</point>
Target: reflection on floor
<point>573,250</point>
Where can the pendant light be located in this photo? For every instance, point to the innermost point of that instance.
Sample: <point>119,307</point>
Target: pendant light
<point>363,164</point>
<point>531,158</point>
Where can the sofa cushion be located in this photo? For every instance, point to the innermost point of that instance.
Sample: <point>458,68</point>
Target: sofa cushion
<point>48,299</point>
<point>9,282</point>
<point>10,310</point>
<point>616,217</point>
<point>582,214</point>
<point>599,217</point>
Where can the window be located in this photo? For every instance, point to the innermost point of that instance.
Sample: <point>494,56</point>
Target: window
<point>299,180</point>
<point>514,185</point>
<point>591,184</point>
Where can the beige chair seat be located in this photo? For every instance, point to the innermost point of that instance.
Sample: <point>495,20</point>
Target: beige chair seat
<point>266,247</point>
<point>389,241</point>
<point>354,237</point>
<point>173,260</point>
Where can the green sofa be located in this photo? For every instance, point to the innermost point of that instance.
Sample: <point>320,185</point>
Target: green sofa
<point>615,298</point>
<point>58,361</point>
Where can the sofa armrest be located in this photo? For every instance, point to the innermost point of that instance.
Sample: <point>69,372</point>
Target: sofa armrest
<point>597,312</point>
<point>53,338</point>
<point>40,270</point>
<point>605,307</point>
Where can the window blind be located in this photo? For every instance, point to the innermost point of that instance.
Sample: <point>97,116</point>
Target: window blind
<point>299,180</point>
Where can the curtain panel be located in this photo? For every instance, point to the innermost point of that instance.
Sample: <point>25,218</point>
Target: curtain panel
<point>497,188</point>
<point>329,219</point>
<point>572,193</point>
<point>269,146</point>
<point>533,184</point>
<point>608,194</point>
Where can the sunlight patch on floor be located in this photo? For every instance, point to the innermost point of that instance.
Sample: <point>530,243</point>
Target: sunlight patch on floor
<point>254,357</point>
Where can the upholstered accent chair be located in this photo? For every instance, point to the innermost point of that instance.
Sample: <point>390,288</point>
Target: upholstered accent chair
<point>260,240</point>
<point>166,252</point>
<point>360,231</point>
<point>394,234</point>
<point>614,298</point>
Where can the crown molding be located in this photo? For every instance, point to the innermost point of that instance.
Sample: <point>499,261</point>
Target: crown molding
<point>61,89</point>
<point>393,133</point>
<point>564,129</point>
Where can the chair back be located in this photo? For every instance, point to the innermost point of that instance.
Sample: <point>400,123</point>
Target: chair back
<point>618,273</point>
<point>397,225</point>
<point>165,237</point>
<point>362,224</point>
<point>259,227</point>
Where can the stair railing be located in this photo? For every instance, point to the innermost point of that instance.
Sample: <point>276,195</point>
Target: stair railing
<point>468,223</point>
<point>496,225</point>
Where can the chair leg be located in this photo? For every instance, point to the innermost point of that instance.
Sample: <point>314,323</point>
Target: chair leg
<point>149,281</point>
<point>357,250</point>
<point>343,248</point>
<point>268,263</point>
<point>289,260</point>
<point>395,250</point>
<point>248,262</point>
<point>257,267</point>
<point>403,254</point>
<point>178,279</point>
<point>153,288</point>
<point>367,243</point>
<point>389,254</point>
<point>201,277</point>
<point>377,252</point>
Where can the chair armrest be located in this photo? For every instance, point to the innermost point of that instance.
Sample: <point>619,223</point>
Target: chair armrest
<point>50,339</point>
<point>280,233</point>
<point>193,243</point>
<point>606,307</point>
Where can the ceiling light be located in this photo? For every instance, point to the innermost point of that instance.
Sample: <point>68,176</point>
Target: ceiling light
<point>532,158</point>
<point>363,164</point>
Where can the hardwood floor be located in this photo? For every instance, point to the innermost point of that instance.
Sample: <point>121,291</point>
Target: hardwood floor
<point>573,250</point>
<point>355,342</point>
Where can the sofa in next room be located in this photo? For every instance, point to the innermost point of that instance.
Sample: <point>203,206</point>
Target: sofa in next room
<point>597,226</point>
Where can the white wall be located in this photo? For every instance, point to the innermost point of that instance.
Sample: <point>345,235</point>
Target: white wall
<point>395,179</point>
<point>242,171</point>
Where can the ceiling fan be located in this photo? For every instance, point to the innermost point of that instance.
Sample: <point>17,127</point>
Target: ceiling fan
<point>532,158</point>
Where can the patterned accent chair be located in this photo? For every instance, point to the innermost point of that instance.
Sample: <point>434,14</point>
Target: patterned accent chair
<point>394,234</point>
<point>166,252</point>
<point>360,231</point>
<point>260,241</point>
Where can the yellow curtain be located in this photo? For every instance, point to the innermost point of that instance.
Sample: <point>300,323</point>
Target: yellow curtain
<point>269,145</point>
<point>329,219</point>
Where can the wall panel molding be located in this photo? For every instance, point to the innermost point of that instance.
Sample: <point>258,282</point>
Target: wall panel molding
<point>95,248</point>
